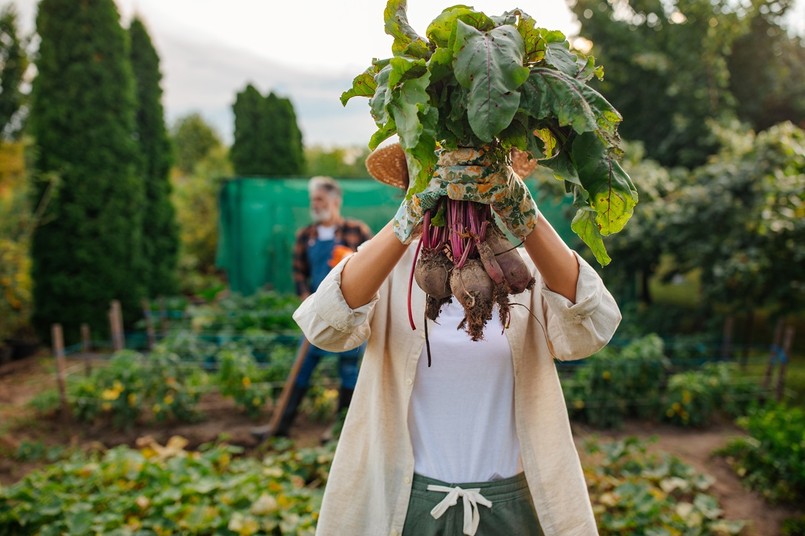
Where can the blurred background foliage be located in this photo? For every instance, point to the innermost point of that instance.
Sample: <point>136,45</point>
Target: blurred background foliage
<point>713,96</point>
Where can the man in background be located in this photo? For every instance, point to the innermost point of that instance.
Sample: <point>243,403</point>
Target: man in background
<point>320,246</point>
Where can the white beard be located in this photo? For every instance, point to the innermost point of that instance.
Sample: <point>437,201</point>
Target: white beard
<point>320,216</point>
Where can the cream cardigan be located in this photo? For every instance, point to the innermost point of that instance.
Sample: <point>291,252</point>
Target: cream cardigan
<point>370,479</point>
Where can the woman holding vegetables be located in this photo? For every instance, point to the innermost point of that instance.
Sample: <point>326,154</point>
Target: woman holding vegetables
<point>478,441</point>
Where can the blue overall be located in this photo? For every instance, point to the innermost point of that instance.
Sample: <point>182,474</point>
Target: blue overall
<point>319,254</point>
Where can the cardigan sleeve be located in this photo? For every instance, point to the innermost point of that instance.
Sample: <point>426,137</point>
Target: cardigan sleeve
<point>577,330</point>
<point>326,319</point>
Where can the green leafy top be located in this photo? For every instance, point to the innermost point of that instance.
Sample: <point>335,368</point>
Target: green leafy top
<point>477,80</point>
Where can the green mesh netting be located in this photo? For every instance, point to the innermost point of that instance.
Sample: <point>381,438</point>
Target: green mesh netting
<point>259,218</point>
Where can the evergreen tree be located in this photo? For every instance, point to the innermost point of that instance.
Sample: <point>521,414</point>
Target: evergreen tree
<point>267,138</point>
<point>193,140</point>
<point>287,151</point>
<point>251,150</point>
<point>160,234</point>
<point>13,63</point>
<point>88,249</point>
<point>293,158</point>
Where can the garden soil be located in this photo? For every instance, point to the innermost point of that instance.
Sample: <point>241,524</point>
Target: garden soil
<point>22,380</point>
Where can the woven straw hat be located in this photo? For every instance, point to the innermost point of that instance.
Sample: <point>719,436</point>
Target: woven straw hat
<point>387,164</point>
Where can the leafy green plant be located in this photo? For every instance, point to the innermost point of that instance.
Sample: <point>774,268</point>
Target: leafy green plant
<point>265,310</point>
<point>694,397</point>
<point>634,492</point>
<point>615,384</point>
<point>794,526</point>
<point>772,459</point>
<point>35,451</point>
<point>239,377</point>
<point>501,81</point>
<point>133,387</point>
<point>160,489</point>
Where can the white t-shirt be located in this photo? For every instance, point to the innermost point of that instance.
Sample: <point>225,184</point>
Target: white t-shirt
<point>325,232</point>
<point>462,407</point>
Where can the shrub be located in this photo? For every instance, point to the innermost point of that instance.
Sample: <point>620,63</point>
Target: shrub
<point>772,460</point>
<point>240,378</point>
<point>133,386</point>
<point>693,398</point>
<point>615,384</point>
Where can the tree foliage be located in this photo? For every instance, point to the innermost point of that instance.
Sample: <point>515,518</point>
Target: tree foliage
<point>268,141</point>
<point>88,248</point>
<point>666,70</point>
<point>675,68</point>
<point>251,150</point>
<point>195,196</point>
<point>193,139</point>
<point>337,162</point>
<point>160,234</point>
<point>767,69</point>
<point>13,64</point>
<point>741,220</point>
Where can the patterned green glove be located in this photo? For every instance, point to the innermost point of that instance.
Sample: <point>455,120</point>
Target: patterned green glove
<point>469,175</point>
<point>410,214</point>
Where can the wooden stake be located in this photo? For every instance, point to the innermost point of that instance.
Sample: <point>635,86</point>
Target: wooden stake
<point>61,367</point>
<point>149,324</point>
<point>118,340</point>
<point>787,342</point>
<point>86,348</point>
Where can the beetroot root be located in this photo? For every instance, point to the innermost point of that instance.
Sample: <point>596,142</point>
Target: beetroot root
<point>432,273</point>
<point>514,270</point>
<point>474,290</point>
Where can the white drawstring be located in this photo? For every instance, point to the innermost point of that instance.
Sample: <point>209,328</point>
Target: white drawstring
<point>472,498</point>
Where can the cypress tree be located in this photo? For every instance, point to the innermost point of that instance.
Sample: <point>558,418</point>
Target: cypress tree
<point>160,234</point>
<point>13,63</point>
<point>251,149</point>
<point>267,138</point>
<point>88,250</point>
<point>287,152</point>
<point>294,157</point>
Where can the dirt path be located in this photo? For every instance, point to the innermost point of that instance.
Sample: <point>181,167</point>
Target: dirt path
<point>695,447</point>
<point>21,381</point>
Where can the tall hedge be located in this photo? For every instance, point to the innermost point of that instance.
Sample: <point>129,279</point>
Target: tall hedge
<point>88,249</point>
<point>13,63</point>
<point>251,151</point>
<point>160,233</point>
<point>290,151</point>
<point>267,141</point>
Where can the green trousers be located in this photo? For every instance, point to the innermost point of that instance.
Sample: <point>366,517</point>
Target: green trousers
<point>504,508</point>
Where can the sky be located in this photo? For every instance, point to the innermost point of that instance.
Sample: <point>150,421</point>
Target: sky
<point>307,51</point>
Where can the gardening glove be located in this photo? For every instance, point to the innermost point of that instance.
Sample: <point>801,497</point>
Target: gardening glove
<point>470,175</point>
<point>412,210</point>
